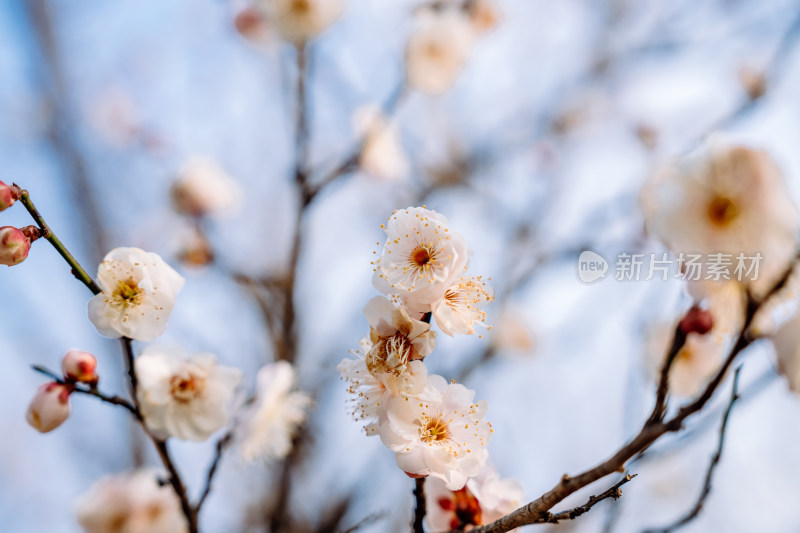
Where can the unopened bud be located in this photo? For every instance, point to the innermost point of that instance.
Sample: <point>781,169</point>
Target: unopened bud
<point>14,246</point>
<point>8,195</point>
<point>697,321</point>
<point>80,366</point>
<point>49,407</point>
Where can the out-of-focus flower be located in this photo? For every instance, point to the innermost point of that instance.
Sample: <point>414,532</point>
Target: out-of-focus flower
<point>80,366</point>
<point>484,499</point>
<point>300,20</point>
<point>421,258</point>
<point>787,350</point>
<point>382,156</point>
<point>440,434</point>
<point>114,115</point>
<point>484,14</point>
<point>779,308</point>
<point>438,50</point>
<point>14,246</point>
<point>269,423</point>
<point>512,334</point>
<point>398,344</point>
<point>203,188</point>
<point>7,196</point>
<point>197,252</point>
<point>139,291</point>
<point>187,397</point>
<point>49,407</point>
<point>251,24</point>
<point>459,309</point>
<point>703,353</point>
<point>133,502</point>
<point>732,200</point>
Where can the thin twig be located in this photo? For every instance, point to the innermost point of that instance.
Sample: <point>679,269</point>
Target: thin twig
<point>47,233</point>
<point>89,391</point>
<point>222,444</point>
<point>367,520</point>
<point>419,505</point>
<point>614,492</point>
<point>694,512</point>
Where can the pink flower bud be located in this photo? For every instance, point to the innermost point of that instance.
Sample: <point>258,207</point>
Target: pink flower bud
<point>49,407</point>
<point>697,321</point>
<point>14,246</point>
<point>80,366</point>
<point>8,196</point>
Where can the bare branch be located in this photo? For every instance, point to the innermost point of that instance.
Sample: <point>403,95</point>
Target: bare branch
<point>419,505</point>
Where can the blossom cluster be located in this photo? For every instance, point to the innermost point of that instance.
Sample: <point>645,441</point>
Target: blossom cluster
<point>434,427</point>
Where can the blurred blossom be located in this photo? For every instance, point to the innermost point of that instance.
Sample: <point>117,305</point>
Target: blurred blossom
<point>438,49</point>
<point>440,434</point>
<point>787,350</point>
<point>269,423</point>
<point>484,499</point>
<point>204,188</point>
<point>133,502</point>
<point>49,407</point>
<point>484,14</point>
<point>139,291</point>
<point>725,198</point>
<point>114,115</point>
<point>298,21</point>
<point>512,333</point>
<point>382,155</point>
<point>184,396</point>
<point>251,24</point>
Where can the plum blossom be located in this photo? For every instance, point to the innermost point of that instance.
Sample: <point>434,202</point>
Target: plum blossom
<point>132,502</point>
<point>138,294</point>
<point>703,353</point>
<point>438,50</point>
<point>49,407</point>
<point>382,155</point>
<point>203,188</point>
<point>440,434</point>
<point>370,394</point>
<point>459,308</point>
<point>270,421</point>
<point>484,499</point>
<point>730,199</point>
<point>421,258</point>
<point>184,396</point>
<point>398,342</point>
<point>300,20</point>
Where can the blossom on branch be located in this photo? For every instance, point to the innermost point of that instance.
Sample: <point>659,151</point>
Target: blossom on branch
<point>49,407</point>
<point>14,246</point>
<point>80,366</point>
<point>270,421</point>
<point>440,434</point>
<point>298,21</point>
<point>133,502</point>
<point>138,294</point>
<point>7,196</point>
<point>183,396</point>
<point>382,155</point>
<point>459,308</point>
<point>484,499</point>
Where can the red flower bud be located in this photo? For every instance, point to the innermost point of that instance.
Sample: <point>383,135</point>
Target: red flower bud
<point>49,407</point>
<point>8,196</point>
<point>80,366</point>
<point>697,321</point>
<point>14,246</point>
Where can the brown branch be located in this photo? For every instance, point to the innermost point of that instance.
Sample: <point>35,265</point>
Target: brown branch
<point>614,492</point>
<point>419,505</point>
<point>89,391</point>
<point>651,431</point>
<point>222,444</point>
<point>698,506</point>
<point>367,520</point>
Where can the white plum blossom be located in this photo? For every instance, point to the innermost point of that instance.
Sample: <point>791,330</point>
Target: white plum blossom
<point>300,20</point>
<point>484,499</point>
<point>398,343</point>
<point>438,50</point>
<point>203,187</point>
<point>421,258</point>
<point>382,155</point>
<point>270,421</point>
<point>183,396</point>
<point>727,199</point>
<point>370,394</point>
<point>441,433</point>
<point>459,308</point>
<point>133,502</point>
<point>138,294</point>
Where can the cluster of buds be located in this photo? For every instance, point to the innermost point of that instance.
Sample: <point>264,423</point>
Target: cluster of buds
<point>15,243</point>
<point>50,405</point>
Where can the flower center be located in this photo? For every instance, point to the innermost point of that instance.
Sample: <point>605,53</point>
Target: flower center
<point>300,7</point>
<point>722,211</point>
<point>186,388</point>
<point>434,431</point>
<point>128,292</point>
<point>467,510</point>
<point>390,354</point>
<point>421,256</point>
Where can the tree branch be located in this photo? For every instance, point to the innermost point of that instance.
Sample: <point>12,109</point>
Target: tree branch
<point>613,492</point>
<point>89,391</point>
<point>222,444</point>
<point>419,505</point>
<point>698,506</point>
